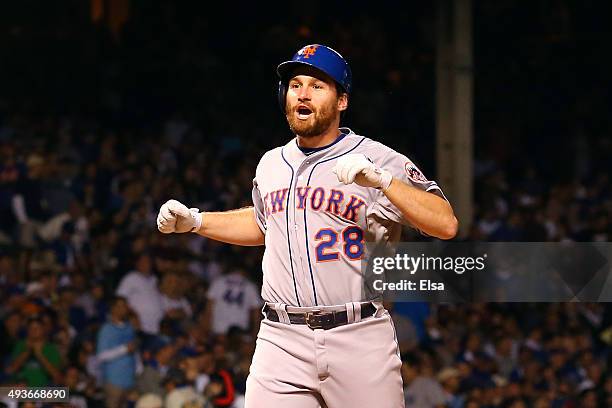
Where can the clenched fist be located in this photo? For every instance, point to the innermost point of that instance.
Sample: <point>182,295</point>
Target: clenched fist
<point>357,168</point>
<point>174,216</point>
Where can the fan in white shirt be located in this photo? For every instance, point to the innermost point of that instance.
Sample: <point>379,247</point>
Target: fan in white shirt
<point>139,287</point>
<point>233,300</point>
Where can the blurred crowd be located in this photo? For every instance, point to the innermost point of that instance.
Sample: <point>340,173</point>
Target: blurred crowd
<point>96,300</point>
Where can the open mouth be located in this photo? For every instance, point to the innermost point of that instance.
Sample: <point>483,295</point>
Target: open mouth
<point>303,112</point>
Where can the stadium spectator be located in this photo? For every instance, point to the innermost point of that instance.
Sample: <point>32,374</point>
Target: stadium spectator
<point>233,300</point>
<point>84,296</point>
<point>420,389</point>
<point>35,360</point>
<point>174,303</point>
<point>449,379</point>
<point>158,360</point>
<point>179,392</point>
<point>29,204</point>
<point>115,351</point>
<point>10,332</point>
<point>139,288</point>
<point>78,387</point>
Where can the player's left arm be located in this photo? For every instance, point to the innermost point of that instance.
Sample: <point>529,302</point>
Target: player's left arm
<point>426,211</point>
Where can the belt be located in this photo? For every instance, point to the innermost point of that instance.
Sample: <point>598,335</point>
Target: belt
<point>319,319</point>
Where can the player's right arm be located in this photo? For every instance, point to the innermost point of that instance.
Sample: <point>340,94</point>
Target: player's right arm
<point>245,226</point>
<point>233,227</point>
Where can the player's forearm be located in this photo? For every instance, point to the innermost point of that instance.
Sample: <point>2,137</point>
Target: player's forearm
<point>234,227</point>
<point>425,211</point>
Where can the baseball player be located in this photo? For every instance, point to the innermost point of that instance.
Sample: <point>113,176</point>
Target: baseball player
<point>316,201</point>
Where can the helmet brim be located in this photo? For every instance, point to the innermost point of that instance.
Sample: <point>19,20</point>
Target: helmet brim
<point>285,69</point>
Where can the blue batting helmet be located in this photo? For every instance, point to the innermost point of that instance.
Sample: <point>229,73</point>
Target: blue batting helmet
<point>320,57</point>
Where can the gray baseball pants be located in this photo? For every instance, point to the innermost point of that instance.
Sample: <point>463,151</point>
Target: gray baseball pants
<point>356,365</point>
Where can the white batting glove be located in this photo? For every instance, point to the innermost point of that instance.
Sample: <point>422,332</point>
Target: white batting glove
<point>357,168</point>
<point>174,216</point>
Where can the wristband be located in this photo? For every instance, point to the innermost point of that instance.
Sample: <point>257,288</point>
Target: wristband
<point>385,180</point>
<point>197,219</point>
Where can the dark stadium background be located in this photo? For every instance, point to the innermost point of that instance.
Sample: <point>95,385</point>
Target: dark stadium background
<point>110,107</point>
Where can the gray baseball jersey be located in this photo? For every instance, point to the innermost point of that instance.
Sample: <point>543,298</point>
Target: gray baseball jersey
<point>315,226</point>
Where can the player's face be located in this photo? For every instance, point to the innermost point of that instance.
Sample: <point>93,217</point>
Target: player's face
<point>313,104</point>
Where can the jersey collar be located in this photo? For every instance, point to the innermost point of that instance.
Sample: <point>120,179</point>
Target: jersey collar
<point>294,153</point>
<point>309,150</point>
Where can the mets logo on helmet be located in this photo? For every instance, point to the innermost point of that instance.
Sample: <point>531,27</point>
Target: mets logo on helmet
<point>308,51</point>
